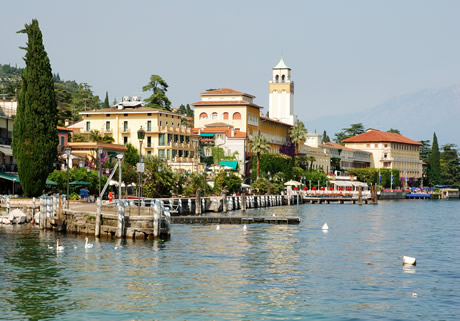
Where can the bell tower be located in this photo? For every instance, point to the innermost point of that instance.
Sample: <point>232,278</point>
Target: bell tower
<point>281,94</point>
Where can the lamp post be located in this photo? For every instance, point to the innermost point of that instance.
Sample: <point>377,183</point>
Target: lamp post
<point>140,167</point>
<point>68,151</point>
<point>99,153</point>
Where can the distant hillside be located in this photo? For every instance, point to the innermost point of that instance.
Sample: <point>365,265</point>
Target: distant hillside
<point>416,115</point>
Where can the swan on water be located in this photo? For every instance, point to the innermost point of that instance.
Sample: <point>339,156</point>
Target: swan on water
<point>88,245</point>
<point>218,227</point>
<point>245,228</point>
<point>407,260</point>
<point>325,227</point>
<point>59,248</point>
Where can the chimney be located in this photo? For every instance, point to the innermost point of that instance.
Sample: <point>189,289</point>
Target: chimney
<point>66,123</point>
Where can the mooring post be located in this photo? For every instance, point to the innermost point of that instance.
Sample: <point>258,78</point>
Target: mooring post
<point>198,202</point>
<point>360,195</point>
<point>121,220</point>
<point>33,210</point>
<point>376,197</point>
<point>243,202</point>
<point>97,230</point>
<point>8,205</point>
<point>49,203</point>
<point>189,205</point>
<point>224,200</point>
<point>156,219</point>
<point>41,218</point>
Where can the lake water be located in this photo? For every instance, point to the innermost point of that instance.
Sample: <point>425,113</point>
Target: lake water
<point>269,272</point>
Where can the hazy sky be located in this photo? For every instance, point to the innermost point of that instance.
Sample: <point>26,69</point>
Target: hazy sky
<point>344,55</point>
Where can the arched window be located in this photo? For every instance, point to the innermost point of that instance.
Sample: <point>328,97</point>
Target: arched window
<point>236,116</point>
<point>225,115</point>
<point>214,116</point>
<point>282,78</point>
<point>277,78</point>
<point>203,116</point>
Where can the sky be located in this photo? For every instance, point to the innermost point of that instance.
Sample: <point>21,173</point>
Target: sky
<point>345,56</point>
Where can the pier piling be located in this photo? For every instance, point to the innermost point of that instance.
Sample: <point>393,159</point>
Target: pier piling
<point>97,230</point>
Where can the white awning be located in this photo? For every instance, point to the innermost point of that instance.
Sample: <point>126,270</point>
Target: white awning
<point>357,184</point>
<point>6,150</point>
<point>341,183</point>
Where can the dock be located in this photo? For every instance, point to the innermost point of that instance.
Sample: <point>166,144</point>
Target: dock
<point>233,220</point>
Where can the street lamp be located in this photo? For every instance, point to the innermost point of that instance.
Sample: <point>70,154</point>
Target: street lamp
<point>140,167</point>
<point>68,152</point>
<point>99,153</point>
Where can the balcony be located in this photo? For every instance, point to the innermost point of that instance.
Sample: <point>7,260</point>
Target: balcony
<point>125,130</point>
<point>107,130</point>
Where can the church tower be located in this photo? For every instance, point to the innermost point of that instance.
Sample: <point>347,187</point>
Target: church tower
<point>281,94</point>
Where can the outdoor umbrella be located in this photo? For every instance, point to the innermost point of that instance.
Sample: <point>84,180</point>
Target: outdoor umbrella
<point>292,183</point>
<point>79,183</point>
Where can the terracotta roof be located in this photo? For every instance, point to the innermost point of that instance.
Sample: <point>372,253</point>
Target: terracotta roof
<point>218,125</point>
<point>93,145</point>
<point>225,92</point>
<point>374,135</point>
<point>273,120</point>
<point>64,128</point>
<point>338,146</point>
<point>225,102</point>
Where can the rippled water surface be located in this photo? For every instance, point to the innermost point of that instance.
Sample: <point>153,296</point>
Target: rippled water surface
<point>273,272</point>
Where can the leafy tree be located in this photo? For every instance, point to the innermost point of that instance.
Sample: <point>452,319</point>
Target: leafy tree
<point>450,165</point>
<point>314,176</point>
<point>298,134</point>
<point>353,130</point>
<point>182,109</point>
<point>311,159</point>
<point>259,145</point>
<point>196,181</point>
<point>371,175</point>
<point>106,100</point>
<point>232,182</point>
<point>64,103</point>
<point>325,138</point>
<point>131,155</point>
<point>35,137</point>
<point>159,179</point>
<point>434,174</point>
<point>189,111</point>
<point>78,138</point>
<point>108,139</point>
<point>276,164</point>
<point>96,136</point>
<point>425,150</point>
<point>261,186</point>
<point>159,87</point>
<point>396,131</point>
<point>83,98</point>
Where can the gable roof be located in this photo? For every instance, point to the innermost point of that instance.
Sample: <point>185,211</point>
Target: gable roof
<point>374,135</point>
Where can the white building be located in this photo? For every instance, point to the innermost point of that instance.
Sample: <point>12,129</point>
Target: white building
<point>281,94</point>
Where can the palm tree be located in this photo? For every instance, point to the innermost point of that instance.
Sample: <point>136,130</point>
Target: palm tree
<point>259,144</point>
<point>108,139</point>
<point>96,136</point>
<point>298,134</point>
<point>312,159</point>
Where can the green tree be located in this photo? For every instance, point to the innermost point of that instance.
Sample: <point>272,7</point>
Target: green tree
<point>259,145</point>
<point>325,138</point>
<point>275,163</point>
<point>182,109</point>
<point>159,179</point>
<point>64,103</point>
<point>158,99</point>
<point>298,134</point>
<point>231,181</point>
<point>189,111</point>
<point>392,130</point>
<point>108,139</point>
<point>106,100</point>
<point>434,173</point>
<point>353,130</point>
<point>196,181</point>
<point>131,155</point>
<point>35,137</point>
<point>78,138</point>
<point>450,165</point>
<point>96,136</point>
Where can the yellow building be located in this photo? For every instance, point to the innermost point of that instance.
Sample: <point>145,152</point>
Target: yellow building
<point>232,118</point>
<point>165,137</point>
<point>390,150</point>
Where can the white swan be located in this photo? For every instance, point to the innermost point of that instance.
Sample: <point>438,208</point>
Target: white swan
<point>59,248</point>
<point>218,227</point>
<point>88,245</point>
<point>50,247</point>
<point>407,260</point>
<point>325,227</point>
<point>245,228</point>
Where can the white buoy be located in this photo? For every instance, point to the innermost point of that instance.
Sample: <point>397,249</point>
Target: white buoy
<point>407,260</point>
<point>414,295</point>
<point>245,228</point>
<point>325,227</point>
<point>218,227</point>
<point>88,245</point>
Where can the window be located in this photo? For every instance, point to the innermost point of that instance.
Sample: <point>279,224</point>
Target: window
<point>161,153</point>
<point>187,139</point>
<point>368,145</point>
<point>225,115</point>
<point>149,152</point>
<point>181,153</point>
<point>236,116</point>
<point>125,140</point>
<point>191,154</point>
<point>62,141</point>
<point>214,116</point>
<point>176,138</point>
<point>283,77</point>
<point>149,141</point>
<point>160,122</point>
<point>174,152</point>
<point>376,145</point>
<point>170,137</point>
<point>386,145</point>
<point>203,116</point>
<point>149,125</point>
<point>161,139</point>
<point>107,115</point>
<point>185,153</point>
<point>181,138</point>
<point>125,126</point>
<point>277,78</point>
<point>166,123</point>
<point>88,126</point>
<point>168,153</point>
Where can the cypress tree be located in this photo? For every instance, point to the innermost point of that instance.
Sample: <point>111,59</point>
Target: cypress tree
<point>435,162</point>
<point>106,101</point>
<point>35,136</point>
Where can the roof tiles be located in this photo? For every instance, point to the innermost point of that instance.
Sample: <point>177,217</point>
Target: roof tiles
<point>374,135</point>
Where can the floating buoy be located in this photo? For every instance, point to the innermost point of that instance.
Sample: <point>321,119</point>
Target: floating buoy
<point>407,260</point>
<point>325,227</point>
<point>218,227</point>
<point>245,228</point>
<point>414,295</point>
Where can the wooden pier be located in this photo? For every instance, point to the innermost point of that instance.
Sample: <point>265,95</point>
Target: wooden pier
<point>233,220</point>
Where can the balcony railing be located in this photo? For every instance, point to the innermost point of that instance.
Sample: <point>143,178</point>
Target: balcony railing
<point>125,130</point>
